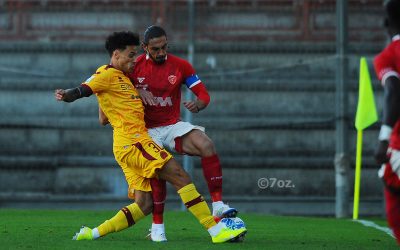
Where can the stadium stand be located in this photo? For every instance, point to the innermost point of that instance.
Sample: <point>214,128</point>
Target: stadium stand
<point>270,69</point>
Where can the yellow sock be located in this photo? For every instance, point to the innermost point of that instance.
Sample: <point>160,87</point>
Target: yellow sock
<point>126,217</point>
<point>196,205</point>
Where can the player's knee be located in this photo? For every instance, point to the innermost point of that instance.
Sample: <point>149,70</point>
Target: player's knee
<point>206,147</point>
<point>181,179</point>
<point>174,173</point>
<point>145,202</point>
<point>146,206</point>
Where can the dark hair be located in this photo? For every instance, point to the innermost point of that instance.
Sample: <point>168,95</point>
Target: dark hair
<point>393,14</point>
<point>152,32</point>
<point>119,40</point>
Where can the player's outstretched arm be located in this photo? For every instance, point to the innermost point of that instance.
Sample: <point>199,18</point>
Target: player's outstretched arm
<point>70,95</point>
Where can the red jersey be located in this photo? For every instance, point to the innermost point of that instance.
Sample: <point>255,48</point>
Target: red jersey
<point>164,81</point>
<point>387,63</point>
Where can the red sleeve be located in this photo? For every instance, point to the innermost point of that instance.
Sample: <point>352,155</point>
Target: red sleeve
<point>198,88</point>
<point>384,65</point>
<point>187,69</point>
<point>201,92</point>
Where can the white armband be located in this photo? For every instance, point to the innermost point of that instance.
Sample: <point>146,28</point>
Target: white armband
<point>384,134</point>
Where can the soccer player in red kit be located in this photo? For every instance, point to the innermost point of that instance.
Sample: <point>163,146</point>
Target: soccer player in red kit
<point>387,67</point>
<point>159,76</point>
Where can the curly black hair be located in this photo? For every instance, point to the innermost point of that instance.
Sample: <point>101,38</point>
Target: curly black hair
<point>119,40</point>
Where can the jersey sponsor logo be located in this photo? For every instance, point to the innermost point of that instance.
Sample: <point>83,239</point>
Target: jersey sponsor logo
<point>172,79</point>
<point>125,86</point>
<point>163,102</point>
<point>140,79</point>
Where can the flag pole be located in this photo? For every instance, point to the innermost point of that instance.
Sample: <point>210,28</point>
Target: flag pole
<point>366,115</point>
<point>357,176</point>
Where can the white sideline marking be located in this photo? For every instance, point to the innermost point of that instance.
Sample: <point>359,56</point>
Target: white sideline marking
<point>372,224</point>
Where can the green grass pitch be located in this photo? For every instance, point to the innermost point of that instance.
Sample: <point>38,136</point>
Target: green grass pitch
<point>53,229</point>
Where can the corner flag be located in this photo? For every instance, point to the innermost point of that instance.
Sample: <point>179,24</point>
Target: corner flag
<point>366,111</point>
<point>366,115</point>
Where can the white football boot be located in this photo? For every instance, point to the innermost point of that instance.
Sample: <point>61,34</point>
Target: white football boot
<point>221,210</point>
<point>157,233</point>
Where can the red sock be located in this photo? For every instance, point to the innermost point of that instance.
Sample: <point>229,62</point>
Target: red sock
<point>396,233</point>
<point>393,212</point>
<point>213,174</point>
<point>159,193</point>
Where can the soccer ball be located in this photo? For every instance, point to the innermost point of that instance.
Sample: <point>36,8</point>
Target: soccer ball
<point>233,223</point>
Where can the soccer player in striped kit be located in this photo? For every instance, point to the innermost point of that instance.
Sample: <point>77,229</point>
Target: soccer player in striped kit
<point>387,67</point>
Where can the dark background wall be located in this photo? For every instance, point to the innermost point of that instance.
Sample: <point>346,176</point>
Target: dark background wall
<point>270,69</point>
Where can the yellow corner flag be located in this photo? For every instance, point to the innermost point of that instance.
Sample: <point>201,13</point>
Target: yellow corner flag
<point>366,115</point>
<point>366,111</point>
